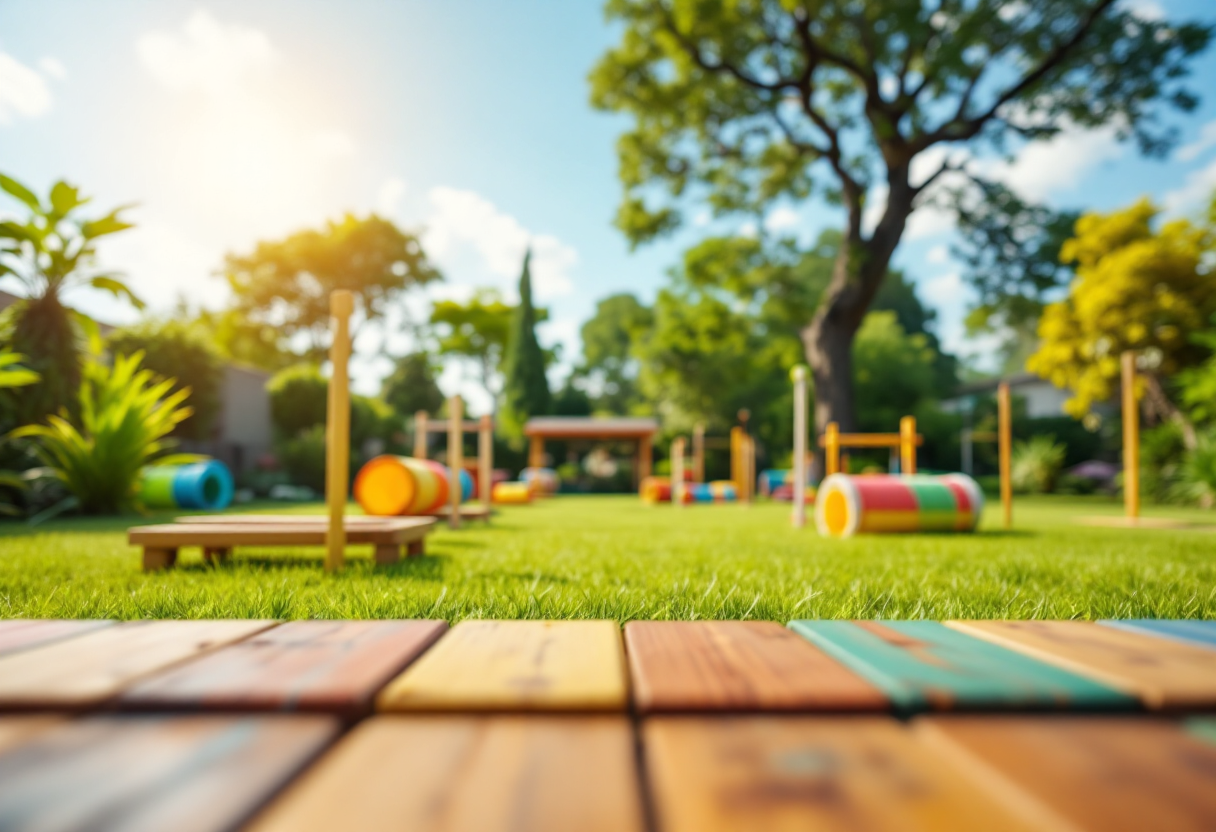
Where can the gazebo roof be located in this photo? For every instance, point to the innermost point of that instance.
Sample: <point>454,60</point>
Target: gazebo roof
<point>590,427</point>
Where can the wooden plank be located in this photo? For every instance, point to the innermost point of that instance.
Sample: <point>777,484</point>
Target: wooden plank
<point>1200,633</point>
<point>516,666</point>
<point>17,729</point>
<point>922,665</point>
<point>330,666</point>
<point>94,667</point>
<point>24,633</point>
<point>1101,774</point>
<point>469,512</point>
<point>803,774</point>
<point>1163,673</point>
<point>1202,727</point>
<point>464,773</point>
<point>738,666</point>
<point>186,774</point>
<point>173,535</point>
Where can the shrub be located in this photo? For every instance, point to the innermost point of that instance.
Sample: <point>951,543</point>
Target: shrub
<point>1197,474</point>
<point>299,399</point>
<point>1036,464</point>
<point>125,418</point>
<point>302,458</point>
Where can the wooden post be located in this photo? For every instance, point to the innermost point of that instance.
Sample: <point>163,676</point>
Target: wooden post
<point>1131,438</point>
<point>677,471</point>
<point>831,449</point>
<point>420,430</point>
<point>749,468</point>
<point>736,457</point>
<point>907,445</point>
<point>798,516</point>
<point>455,457</point>
<point>536,452</point>
<point>698,452</point>
<point>645,458</point>
<point>337,433</point>
<point>485,460</point>
<point>1004,439</point>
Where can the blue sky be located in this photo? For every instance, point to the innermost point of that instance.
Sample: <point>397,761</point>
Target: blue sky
<point>230,122</point>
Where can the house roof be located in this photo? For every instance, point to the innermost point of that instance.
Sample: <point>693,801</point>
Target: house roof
<point>590,427</point>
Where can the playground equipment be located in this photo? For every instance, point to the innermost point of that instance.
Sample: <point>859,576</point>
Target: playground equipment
<point>850,505</point>
<point>656,490</point>
<point>1131,439</point>
<point>203,485</point>
<point>512,493</point>
<point>906,442</point>
<point>1004,439</point>
<point>595,429</point>
<point>543,482</point>
<point>391,486</point>
<point>685,490</point>
<point>798,493</point>
<point>742,456</point>
<point>483,464</point>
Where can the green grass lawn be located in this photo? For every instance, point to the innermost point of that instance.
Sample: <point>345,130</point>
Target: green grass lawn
<point>612,557</point>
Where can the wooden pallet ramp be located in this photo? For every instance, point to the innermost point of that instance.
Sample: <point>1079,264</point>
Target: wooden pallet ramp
<point>24,633</point>
<point>516,666</point>
<point>459,773</point>
<point>1086,773</point>
<point>1201,633</point>
<point>186,774</point>
<point>797,773</point>
<point>328,666</point>
<point>738,666</point>
<point>92,668</point>
<point>1165,674</point>
<point>922,665</point>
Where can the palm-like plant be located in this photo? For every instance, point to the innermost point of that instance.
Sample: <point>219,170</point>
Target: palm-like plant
<point>125,417</point>
<point>52,251</point>
<point>1036,463</point>
<point>12,374</point>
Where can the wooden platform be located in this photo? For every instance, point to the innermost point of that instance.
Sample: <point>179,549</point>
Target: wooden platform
<point>499,726</point>
<point>471,511</point>
<point>218,536</point>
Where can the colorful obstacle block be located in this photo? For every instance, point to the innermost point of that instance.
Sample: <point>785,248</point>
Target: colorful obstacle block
<point>203,485</point>
<point>849,505</point>
<point>544,482</point>
<point>785,493</point>
<point>656,490</point>
<point>512,493</point>
<point>390,486</point>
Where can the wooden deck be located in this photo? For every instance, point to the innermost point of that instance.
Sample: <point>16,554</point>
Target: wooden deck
<point>578,725</point>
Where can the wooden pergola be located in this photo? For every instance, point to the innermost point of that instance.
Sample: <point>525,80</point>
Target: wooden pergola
<point>641,431</point>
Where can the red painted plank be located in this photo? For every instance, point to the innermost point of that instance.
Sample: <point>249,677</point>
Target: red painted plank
<point>738,666</point>
<point>332,666</point>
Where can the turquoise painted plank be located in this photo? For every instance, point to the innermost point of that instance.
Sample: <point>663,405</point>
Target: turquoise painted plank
<point>1203,727</point>
<point>1201,633</point>
<point>924,665</point>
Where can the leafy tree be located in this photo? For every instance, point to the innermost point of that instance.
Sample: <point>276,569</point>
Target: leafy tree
<point>477,330</point>
<point>526,390</point>
<point>53,251</point>
<point>179,350</point>
<point>286,284</point>
<point>299,402</point>
<point>895,371</point>
<point>571,401</point>
<point>240,340</point>
<point>1135,289</point>
<point>411,386</point>
<point>609,336</point>
<point>745,102</point>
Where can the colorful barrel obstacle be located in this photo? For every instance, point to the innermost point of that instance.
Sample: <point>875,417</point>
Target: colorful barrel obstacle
<point>878,503</point>
<point>544,482</point>
<point>391,486</point>
<point>512,493</point>
<point>658,490</point>
<point>203,485</point>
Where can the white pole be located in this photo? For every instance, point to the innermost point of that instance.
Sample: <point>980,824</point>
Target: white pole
<point>798,517</point>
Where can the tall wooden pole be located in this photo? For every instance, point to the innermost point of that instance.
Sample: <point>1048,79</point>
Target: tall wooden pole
<point>337,433</point>
<point>1131,438</point>
<point>455,457</point>
<point>907,445</point>
<point>485,460</point>
<point>1004,417</point>
<point>420,431</point>
<point>798,516</point>
<point>831,449</point>
<point>698,452</point>
<point>677,471</point>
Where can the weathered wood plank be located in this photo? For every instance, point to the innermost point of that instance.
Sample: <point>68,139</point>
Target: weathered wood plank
<point>331,666</point>
<point>922,665</point>
<point>1201,633</point>
<point>799,774</point>
<point>441,773</point>
<point>1164,674</point>
<point>17,729</point>
<point>220,535</point>
<point>738,666</point>
<point>24,633</point>
<point>516,666</point>
<point>94,667</point>
<point>186,774</point>
<point>1101,774</point>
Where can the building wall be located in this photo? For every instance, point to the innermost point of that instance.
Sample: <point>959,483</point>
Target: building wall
<point>244,429</point>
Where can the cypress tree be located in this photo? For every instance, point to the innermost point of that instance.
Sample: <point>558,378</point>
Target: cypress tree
<point>526,389</point>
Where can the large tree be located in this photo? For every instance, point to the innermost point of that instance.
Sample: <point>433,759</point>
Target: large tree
<point>742,103</point>
<point>619,322</point>
<point>526,389</point>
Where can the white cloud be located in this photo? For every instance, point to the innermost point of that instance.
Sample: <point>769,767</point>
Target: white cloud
<point>942,290</point>
<point>333,144</point>
<point>1193,150</point>
<point>1195,193</point>
<point>702,218</point>
<point>1149,10</point>
<point>53,67</point>
<point>465,218</point>
<point>782,219</point>
<point>749,229</point>
<point>23,92</point>
<point>1044,168</point>
<point>937,255</point>
<point>389,196</point>
<point>205,55</point>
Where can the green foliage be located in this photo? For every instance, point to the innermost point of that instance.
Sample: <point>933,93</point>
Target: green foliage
<point>244,341</point>
<point>52,251</point>
<point>299,402</point>
<point>477,330</point>
<point>526,390</point>
<point>125,418</point>
<point>609,362</point>
<point>282,289</point>
<point>892,371</point>
<point>411,386</point>
<point>181,351</point>
<point>1197,384</point>
<point>1035,464</point>
<point>1197,477</point>
<point>12,375</point>
<point>571,401</point>
<point>302,457</point>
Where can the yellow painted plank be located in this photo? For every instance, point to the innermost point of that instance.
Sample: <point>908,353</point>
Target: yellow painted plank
<point>96,666</point>
<point>460,773</point>
<point>516,666</point>
<point>1164,674</point>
